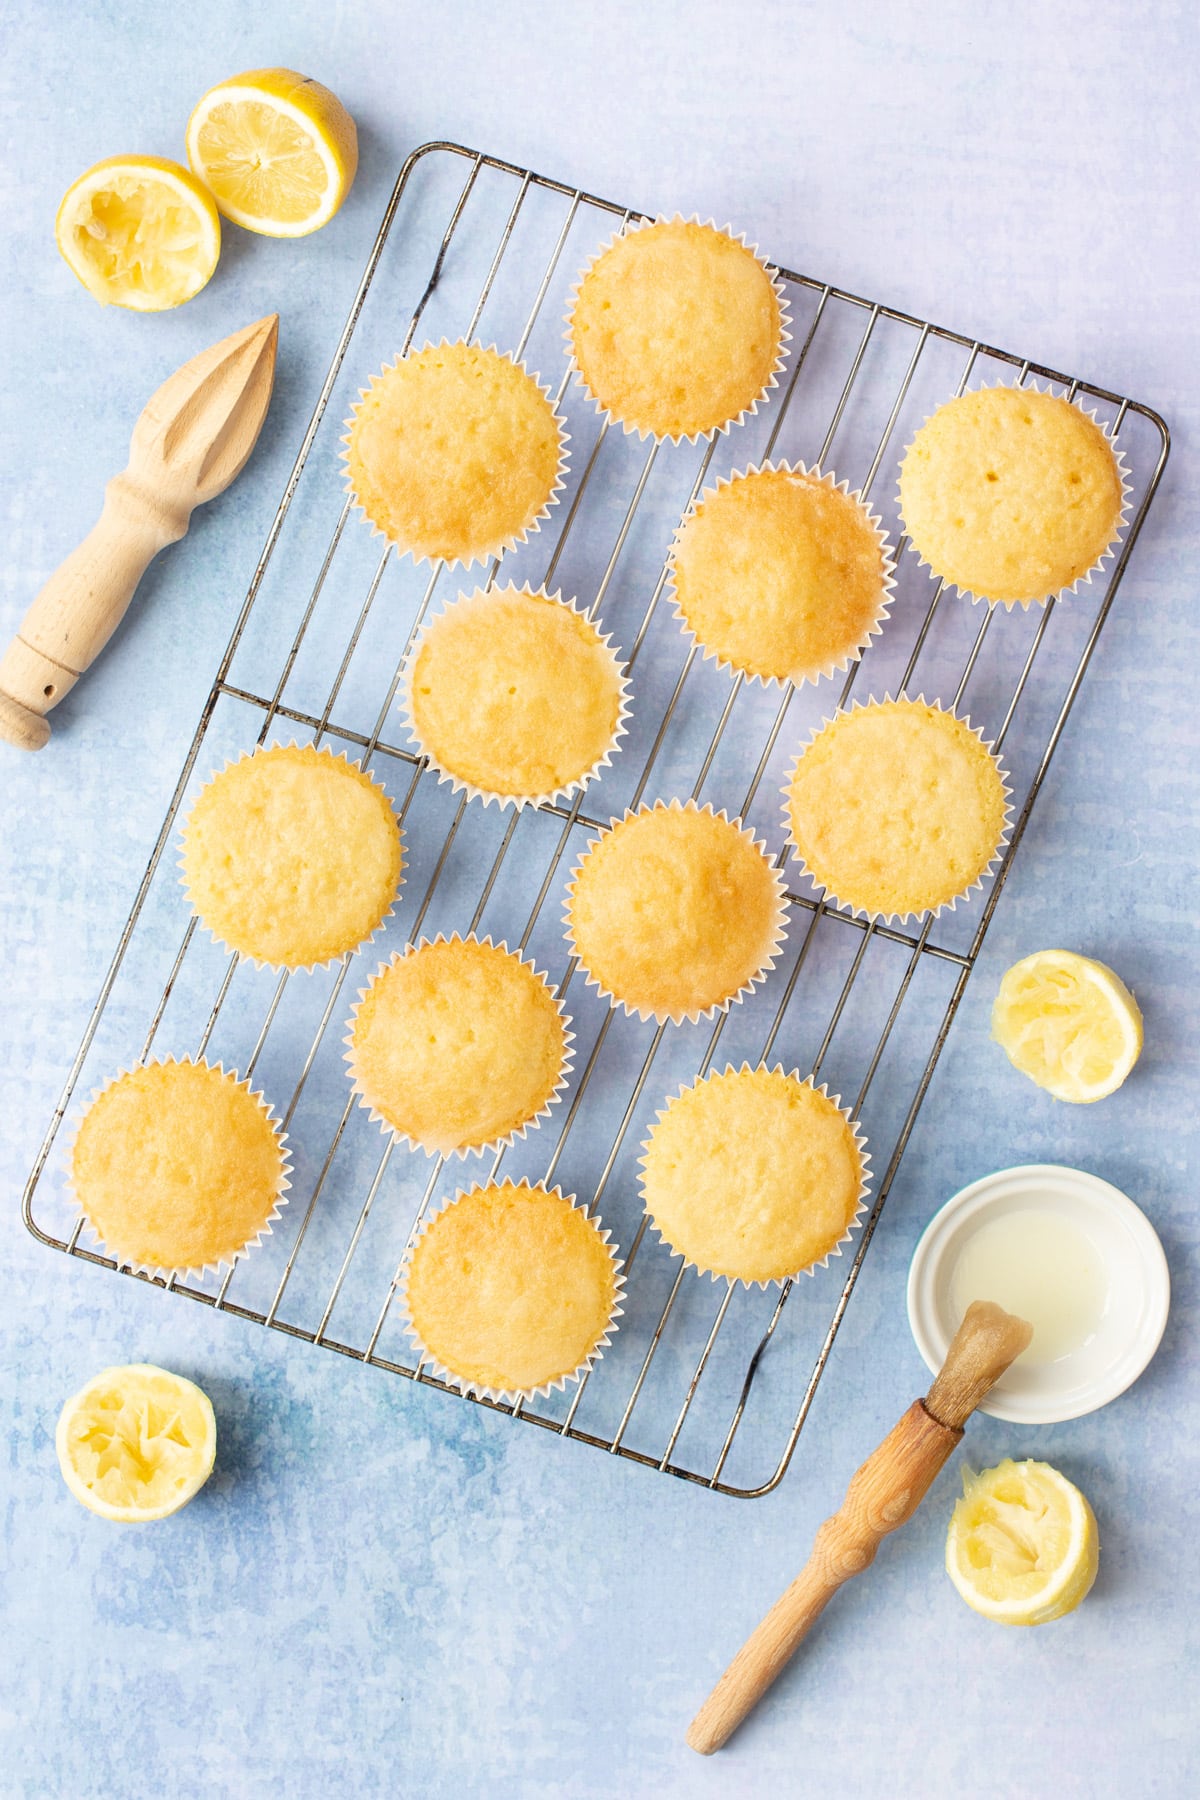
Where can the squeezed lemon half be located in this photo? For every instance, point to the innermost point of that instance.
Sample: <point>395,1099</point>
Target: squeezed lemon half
<point>136,1443</point>
<point>139,232</point>
<point>277,150</point>
<point>1068,1023</point>
<point>1023,1547</point>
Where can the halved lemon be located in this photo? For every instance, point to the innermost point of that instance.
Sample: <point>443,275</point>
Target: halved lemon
<point>140,232</point>
<point>1068,1023</point>
<point>1023,1547</point>
<point>136,1443</point>
<point>277,150</point>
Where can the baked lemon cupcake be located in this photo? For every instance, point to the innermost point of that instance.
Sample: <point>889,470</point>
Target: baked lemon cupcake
<point>514,695</point>
<point>178,1167</point>
<point>754,1175</point>
<point>896,808</point>
<point>675,911</point>
<point>292,856</point>
<point>1012,495</point>
<point>455,453</point>
<point>511,1290</point>
<point>457,1045</point>
<point>782,573</point>
<point>677,329</point>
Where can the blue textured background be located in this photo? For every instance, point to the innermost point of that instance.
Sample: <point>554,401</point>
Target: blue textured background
<point>383,1591</point>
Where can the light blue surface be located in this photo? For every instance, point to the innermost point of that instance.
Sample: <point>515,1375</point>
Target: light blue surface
<point>384,1591</point>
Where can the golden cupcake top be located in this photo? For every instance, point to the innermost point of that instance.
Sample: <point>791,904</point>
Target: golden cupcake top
<point>514,695</point>
<point>457,1045</point>
<point>1011,494</point>
<point>454,452</point>
<point>896,807</point>
<point>675,911</point>
<point>676,329</point>
<point>178,1166</point>
<point>781,573</point>
<point>511,1289</point>
<point>753,1174</point>
<point>292,856</point>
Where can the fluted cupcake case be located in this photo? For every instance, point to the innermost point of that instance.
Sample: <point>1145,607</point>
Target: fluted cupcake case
<point>554,796</point>
<point>220,1262</point>
<point>752,404</point>
<point>834,665</point>
<point>483,552</point>
<point>1089,574</point>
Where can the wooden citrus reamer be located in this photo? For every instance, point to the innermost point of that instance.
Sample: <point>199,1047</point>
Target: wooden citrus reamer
<point>884,1493</point>
<point>193,437</point>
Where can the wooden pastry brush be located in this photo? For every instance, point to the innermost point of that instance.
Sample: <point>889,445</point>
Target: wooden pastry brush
<point>884,1493</point>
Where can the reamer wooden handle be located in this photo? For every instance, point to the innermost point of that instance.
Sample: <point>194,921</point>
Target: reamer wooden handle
<point>81,606</point>
<point>884,1494</point>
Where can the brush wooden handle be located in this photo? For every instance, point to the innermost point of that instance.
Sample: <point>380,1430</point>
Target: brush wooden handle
<point>884,1494</point>
<point>83,602</point>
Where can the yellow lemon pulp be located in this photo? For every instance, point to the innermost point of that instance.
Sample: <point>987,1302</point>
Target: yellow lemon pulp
<point>1023,1547</point>
<point>1069,1023</point>
<point>278,151</point>
<point>137,1443</point>
<point>139,232</point>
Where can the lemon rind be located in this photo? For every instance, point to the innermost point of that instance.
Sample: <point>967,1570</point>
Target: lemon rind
<point>481,1390</point>
<point>833,666</point>
<point>185,182</point>
<point>677,1015</point>
<point>1046,1607</point>
<point>630,427</point>
<point>860,1205</point>
<point>1096,569</point>
<point>458,783</point>
<point>505,1140</point>
<point>217,1266</point>
<point>79,1490</point>
<point>829,898</point>
<point>1124,1006</point>
<point>491,551</point>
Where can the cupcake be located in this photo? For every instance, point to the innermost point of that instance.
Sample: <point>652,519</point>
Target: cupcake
<point>177,1167</point>
<point>782,573</point>
<point>1012,495</point>
<point>677,329</point>
<point>515,696</point>
<point>458,1046</point>
<point>896,808</point>
<point>675,911</point>
<point>754,1175</point>
<point>455,453</point>
<point>292,856</point>
<point>511,1290</point>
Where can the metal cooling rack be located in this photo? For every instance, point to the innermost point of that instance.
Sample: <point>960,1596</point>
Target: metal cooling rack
<point>707,1381</point>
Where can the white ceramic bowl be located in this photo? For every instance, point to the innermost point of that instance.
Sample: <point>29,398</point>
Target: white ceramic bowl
<point>1135,1272</point>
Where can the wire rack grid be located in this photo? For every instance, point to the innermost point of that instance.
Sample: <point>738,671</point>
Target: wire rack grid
<point>472,246</point>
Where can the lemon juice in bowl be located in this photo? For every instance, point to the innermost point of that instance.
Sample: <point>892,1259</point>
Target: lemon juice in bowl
<point>1041,1266</point>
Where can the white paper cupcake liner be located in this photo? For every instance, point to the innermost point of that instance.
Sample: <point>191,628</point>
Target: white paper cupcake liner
<point>828,896</point>
<point>785,336</point>
<point>480,1390</point>
<point>1106,555</point>
<point>834,666</point>
<point>458,783</point>
<point>492,551</point>
<point>860,1204</point>
<point>674,1016</point>
<point>223,1264</point>
<point>327,962</point>
<point>505,1141</point>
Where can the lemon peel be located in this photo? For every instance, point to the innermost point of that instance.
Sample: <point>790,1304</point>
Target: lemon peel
<point>136,1443</point>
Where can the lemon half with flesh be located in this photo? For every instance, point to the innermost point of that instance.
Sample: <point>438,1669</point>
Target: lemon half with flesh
<point>277,150</point>
<point>139,232</point>
<point>136,1443</point>
<point>1069,1023</point>
<point>1023,1546</point>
